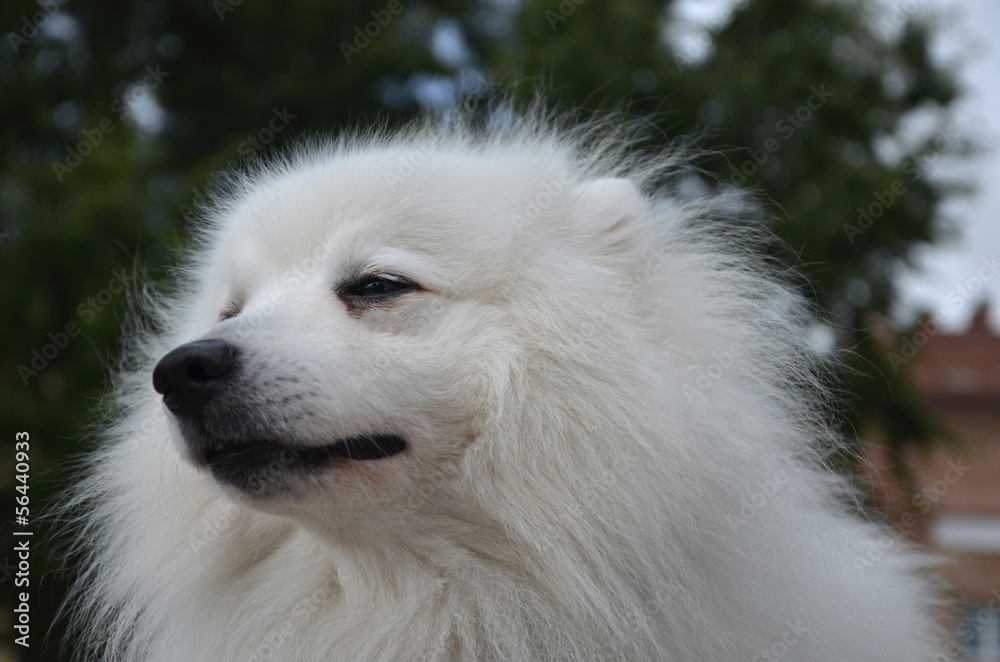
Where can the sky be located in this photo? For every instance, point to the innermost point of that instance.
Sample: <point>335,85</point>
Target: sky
<point>950,273</point>
<point>954,277</point>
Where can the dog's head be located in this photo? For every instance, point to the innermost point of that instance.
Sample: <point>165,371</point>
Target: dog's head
<point>359,320</point>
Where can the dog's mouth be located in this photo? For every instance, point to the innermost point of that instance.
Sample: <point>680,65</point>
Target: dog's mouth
<point>255,464</point>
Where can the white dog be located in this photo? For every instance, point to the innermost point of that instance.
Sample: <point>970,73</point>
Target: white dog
<point>474,394</point>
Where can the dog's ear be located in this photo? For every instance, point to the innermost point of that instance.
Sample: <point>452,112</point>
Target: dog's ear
<point>614,211</point>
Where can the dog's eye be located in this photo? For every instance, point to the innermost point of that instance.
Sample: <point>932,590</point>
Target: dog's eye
<point>230,310</point>
<point>371,289</point>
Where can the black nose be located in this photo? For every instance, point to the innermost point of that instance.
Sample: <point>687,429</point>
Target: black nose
<point>189,376</point>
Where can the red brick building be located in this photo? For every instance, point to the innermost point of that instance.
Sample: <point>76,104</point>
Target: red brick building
<point>953,502</point>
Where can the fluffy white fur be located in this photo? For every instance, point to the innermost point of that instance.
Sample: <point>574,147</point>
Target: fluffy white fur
<point>612,411</point>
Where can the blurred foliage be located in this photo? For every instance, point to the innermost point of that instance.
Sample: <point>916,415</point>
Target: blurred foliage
<point>228,80</point>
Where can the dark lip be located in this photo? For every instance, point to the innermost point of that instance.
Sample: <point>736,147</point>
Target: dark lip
<point>265,468</point>
<point>252,454</point>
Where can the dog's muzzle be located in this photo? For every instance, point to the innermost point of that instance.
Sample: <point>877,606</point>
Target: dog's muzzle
<point>200,385</point>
